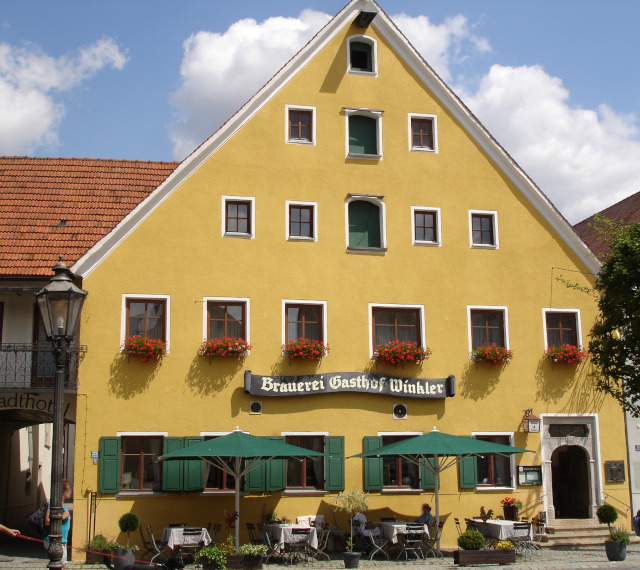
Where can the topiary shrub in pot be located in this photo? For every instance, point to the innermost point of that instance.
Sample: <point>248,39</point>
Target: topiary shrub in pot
<point>616,546</point>
<point>471,542</point>
<point>125,556</point>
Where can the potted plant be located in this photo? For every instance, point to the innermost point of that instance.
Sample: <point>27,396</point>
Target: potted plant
<point>124,556</point>
<point>226,346</point>
<point>396,352</point>
<point>304,348</point>
<point>96,548</point>
<point>566,354</point>
<point>470,551</point>
<point>144,348</point>
<point>511,506</point>
<point>492,354</point>
<point>214,557</point>
<point>616,546</point>
<point>222,557</point>
<point>352,502</point>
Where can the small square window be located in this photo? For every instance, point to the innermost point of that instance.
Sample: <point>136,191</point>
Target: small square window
<point>304,321</point>
<point>422,133</point>
<point>226,319</point>
<point>494,470</point>
<point>307,474</point>
<point>393,323</point>
<point>483,229</point>
<point>300,125</point>
<point>146,318</point>
<point>141,470</point>
<point>561,328</point>
<point>238,216</point>
<point>301,220</point>
<point>488,326</point>
<point>398,472</point>
<point>426,225</point>
<point>361,51</point>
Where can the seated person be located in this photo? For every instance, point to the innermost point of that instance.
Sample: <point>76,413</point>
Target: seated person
<point>426,517</point>
<point>362,526</point>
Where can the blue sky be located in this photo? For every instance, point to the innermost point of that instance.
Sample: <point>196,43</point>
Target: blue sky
<point>556,82</point>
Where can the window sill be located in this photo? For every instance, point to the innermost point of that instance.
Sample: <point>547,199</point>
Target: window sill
<point>140,494</point>
<point>362,72</point>
<point>302,142</point>
<point>226,492</point>
<point>423,149</point>
<point>490,488</point>
<point>308,492</point>
<point>238,235</point>
<point>483,246</point>
<point>374,250</point>
<point>301,238</point>
<point>352,156</point>
<point>391,491</point>
<point>428,243</point>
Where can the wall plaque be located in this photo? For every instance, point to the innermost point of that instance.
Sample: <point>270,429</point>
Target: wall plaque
<point>614,471</point>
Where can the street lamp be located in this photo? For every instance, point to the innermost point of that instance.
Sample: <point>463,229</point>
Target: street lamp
<point>60,303</point>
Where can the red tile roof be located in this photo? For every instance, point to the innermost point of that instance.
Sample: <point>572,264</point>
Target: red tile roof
<point>63,206</point>
<point>627,211</point>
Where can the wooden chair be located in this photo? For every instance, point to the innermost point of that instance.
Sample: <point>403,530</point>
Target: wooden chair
<point>458,526</point>
<point>214,532</point>
<point>191,542</point>
<point>375,543</point>
<point>520,536</point>
<point>254,536</point>
<point>273,548</point>
<point>324,532</point>
<point>158,547</point>
<point>146,544</point>
<point>300,546</point>
<point>430,545</point>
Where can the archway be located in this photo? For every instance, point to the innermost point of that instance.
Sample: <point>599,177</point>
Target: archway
<point>570,482</point>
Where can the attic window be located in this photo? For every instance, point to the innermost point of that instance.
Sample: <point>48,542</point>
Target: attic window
<point>62,224</point>
<point>362,54</point>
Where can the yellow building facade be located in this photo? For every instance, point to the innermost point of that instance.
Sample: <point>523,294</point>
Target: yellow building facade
<point>354,200</point>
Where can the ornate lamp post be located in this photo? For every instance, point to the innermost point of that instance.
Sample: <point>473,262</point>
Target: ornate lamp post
<point>60,305</point>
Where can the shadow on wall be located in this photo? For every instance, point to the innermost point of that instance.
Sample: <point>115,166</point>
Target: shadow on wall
<point>478,380</point>
<point>209,376</point>
<point>129,377</point>
<point>557,381</point>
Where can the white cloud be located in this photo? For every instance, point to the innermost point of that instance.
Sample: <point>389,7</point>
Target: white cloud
<point>221,72</point>
<point>584,160</point>
<point>29,114</point>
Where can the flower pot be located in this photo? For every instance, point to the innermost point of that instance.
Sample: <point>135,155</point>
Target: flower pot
<point>122,558</point>
<point>469,557</point>
<point>510,513</point>
<point>237,562</point>
<point>616,551</point>
<point>352,559</point>
<point>94,557</point>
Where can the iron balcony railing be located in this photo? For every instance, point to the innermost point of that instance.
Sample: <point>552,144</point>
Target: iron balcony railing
<point>33,366</point>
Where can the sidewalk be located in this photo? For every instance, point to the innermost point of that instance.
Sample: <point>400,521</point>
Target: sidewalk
<point>588,557</point>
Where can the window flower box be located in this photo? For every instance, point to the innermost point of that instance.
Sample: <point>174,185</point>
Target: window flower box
<point>492,354</point>
<point>566,354</point>
<point>226,346</point>
<point>144,348</point>
<point>396,352</point>
<point>304,348</point>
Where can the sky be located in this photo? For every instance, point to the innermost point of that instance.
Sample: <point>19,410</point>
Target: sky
<point>557,83</point>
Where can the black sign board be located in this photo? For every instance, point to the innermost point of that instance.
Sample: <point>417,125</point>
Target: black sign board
<point>335,382</point>
<point>530,475</point>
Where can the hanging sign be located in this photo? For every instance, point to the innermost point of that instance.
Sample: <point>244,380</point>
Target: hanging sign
<point>335,382</point>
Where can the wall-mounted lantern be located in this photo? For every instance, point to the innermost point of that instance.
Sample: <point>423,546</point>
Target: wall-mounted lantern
<point>530,423</point>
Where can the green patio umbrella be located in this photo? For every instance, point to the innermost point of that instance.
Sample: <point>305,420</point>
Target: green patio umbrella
<point>438,451</point>
<point>239,447</point>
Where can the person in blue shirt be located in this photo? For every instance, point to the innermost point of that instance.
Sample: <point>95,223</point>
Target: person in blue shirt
<point>426,517</point>
<point>66,522</point>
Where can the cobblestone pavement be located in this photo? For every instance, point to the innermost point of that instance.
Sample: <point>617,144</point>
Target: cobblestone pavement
<point>588,557</point>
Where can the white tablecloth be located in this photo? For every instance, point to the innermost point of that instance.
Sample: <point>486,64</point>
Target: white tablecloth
<point>391,530</point>
<point>281,533</point>
<point>173,536</point>
<point>500,529</point>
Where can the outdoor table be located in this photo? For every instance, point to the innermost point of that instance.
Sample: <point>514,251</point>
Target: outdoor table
<point>281,533</point>
<point>174,538</point>
<point>391,530</point>
<point>498,528</point>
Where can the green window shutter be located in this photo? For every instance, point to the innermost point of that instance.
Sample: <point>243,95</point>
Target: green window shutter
<point>193,468</point>
<point>427,478</point>
<point>363,135</point>
<point>276,471</point>
<point>468,472</point>
<point>109,480</point>
<point>256,479</point>
<point>172,470</point>
<point>364,224</point>
<point>372,465</point>
<point>334,463</point>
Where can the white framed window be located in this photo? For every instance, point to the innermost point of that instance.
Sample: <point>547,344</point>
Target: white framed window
<point>238,216</point>
<point>147,316</point>
<point>561,326</point>
<point>483,229</point>
<point>423,133</point>
<point>300,124</point>
<point>487,325</point>
<point>363,133</point>
<point>425,226</point>
<point>366,227</point>
<point>496,471</point>
<point>226,317</point>
<point>302,318</point>
<point>362,56</point>
<point>302,220</point>
<point>389,322</point>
